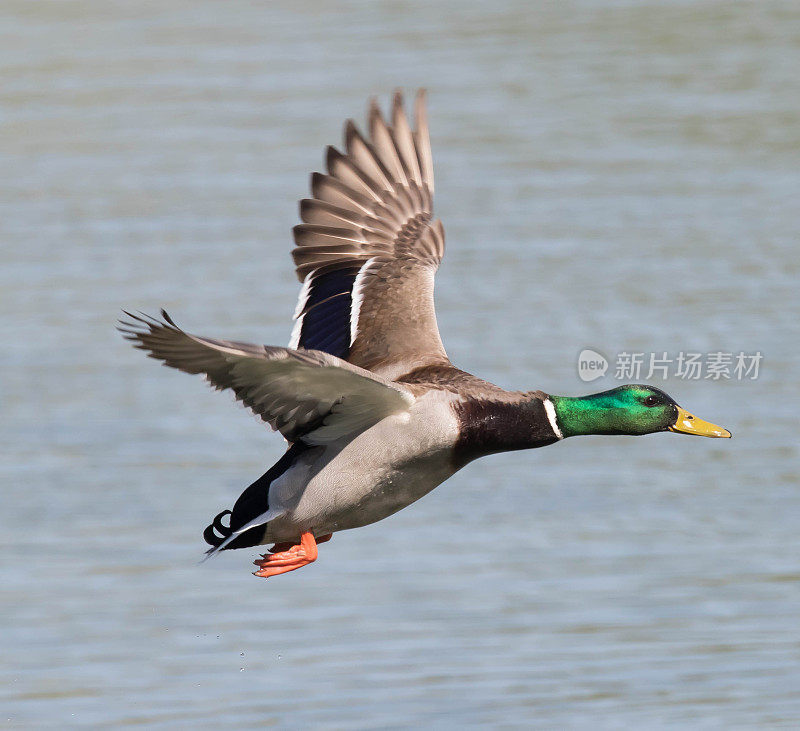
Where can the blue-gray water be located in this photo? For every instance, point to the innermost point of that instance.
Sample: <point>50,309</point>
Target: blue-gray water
<point>612,175</point>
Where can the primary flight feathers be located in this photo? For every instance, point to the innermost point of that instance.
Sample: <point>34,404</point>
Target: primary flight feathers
<point>368,249</point>
<point>305,395</point>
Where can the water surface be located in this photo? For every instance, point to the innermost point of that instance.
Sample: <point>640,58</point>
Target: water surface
<point>612,175</point>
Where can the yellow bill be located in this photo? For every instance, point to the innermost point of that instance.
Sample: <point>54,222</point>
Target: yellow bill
<point>688,424</point>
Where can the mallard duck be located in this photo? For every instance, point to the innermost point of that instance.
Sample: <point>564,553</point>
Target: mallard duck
<point>374,413</point>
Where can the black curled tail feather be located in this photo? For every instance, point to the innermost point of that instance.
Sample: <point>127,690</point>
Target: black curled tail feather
<point>216,533</point>
<point>252,503</point>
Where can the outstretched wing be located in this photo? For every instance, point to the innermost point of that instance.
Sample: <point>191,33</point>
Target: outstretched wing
<point>306,395</point>
<point>368,250</point>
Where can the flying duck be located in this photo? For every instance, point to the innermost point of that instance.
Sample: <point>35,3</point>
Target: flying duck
<point>374,413</point>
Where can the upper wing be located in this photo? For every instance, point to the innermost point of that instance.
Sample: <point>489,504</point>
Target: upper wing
<point>306,395</point>
<point>367,251</point>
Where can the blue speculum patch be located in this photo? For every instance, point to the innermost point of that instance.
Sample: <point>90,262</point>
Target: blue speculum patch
<point>326,324</point>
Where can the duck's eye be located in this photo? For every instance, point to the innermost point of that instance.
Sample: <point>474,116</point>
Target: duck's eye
<point>651,401</point>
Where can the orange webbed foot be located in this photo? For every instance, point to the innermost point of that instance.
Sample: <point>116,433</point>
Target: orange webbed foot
<point>290,557</point>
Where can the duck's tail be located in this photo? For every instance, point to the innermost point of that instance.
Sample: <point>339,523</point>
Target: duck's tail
<point>251,513</point>
<point>216,533</point>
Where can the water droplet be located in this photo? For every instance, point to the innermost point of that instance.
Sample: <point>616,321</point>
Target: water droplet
<point>241,670</point>
<point>280,657</point>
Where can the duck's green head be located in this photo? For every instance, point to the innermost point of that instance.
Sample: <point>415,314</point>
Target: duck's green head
<point>631,409</point>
